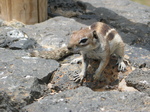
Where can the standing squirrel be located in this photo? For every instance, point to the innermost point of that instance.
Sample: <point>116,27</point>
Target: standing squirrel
<point>97,41</point>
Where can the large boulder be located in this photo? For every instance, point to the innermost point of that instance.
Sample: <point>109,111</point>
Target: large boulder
<point>85,100</point>
<point>24,79</point>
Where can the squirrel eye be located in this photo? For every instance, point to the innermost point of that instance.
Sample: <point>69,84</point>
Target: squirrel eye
<point>84,40</point>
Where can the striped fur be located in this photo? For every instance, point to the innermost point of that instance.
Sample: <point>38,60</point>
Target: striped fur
<point>97,41</point>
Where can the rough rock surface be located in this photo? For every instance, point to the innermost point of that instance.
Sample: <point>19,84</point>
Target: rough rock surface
<point>140,79</point>
<point>65,8</point>
<point>13,38</point>
<point>22,77</point>
<point>138,56</point>
<point>6,104</point>
<point>85,100</point>
<point>47,83</point>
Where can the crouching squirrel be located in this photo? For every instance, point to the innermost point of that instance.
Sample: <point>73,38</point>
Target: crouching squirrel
<point>97,41</point>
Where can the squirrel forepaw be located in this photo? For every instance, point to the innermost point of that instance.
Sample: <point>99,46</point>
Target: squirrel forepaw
<point>78,77</point>
<point>121,66</point>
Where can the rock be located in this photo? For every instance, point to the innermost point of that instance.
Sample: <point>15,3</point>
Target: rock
<point>23,44</point>
<point>140,79</point>
<point>15,39</point>
<point>62,79</point>
<point>85,100</point>
<point>138,56</point>
<point>123,86</point>
<point>65,8</point>
<point>26,80</point>
<point>23,78</point>
<point>6,104</point>
<point>15,34</point>
<point>124,8</point>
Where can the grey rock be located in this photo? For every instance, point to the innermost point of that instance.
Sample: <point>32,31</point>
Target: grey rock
<point>6,104</point>
<point>23,44</point>
<point>23,78</point>
<point>85,100</point>
<point>138,56</point>
<point>124,8</point>
<point>63,78</point>
<point>15,39</point>
<point>140,79</point>
<point>52,33</point>
<point>67,8</point>
<point>15,34</point>
<point>10,55</point>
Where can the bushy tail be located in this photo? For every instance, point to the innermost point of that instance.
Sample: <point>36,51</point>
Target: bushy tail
<point>56,54</point>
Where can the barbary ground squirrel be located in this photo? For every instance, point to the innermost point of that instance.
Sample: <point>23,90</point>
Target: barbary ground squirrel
<point>97,41</point>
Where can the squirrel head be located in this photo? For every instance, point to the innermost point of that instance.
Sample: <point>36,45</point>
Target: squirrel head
<point>84,39</point>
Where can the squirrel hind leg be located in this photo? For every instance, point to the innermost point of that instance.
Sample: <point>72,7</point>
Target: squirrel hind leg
<point>120,54</point>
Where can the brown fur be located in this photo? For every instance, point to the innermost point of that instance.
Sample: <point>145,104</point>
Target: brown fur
<point>111,35</point>
<point>101,27</point>
<point>97,41</point>
<point>56,54</point>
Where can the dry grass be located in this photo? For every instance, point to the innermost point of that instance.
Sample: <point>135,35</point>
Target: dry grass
<point>144,2</point>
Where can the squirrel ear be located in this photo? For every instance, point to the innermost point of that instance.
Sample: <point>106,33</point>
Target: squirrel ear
<point>95,34</point>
